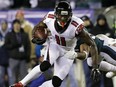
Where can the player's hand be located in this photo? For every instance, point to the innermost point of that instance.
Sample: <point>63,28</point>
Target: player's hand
<point>71,55</point>
<point>95,75</point>
<point>38,41</point>
<point>19,84</point>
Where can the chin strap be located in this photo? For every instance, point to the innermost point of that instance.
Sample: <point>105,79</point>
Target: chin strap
<point>62,24</point>
<point>86,53</point>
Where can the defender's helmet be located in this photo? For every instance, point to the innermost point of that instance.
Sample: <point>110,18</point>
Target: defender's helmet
<point>63,13</point>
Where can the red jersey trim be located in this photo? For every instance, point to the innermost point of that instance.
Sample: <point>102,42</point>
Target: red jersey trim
<point>51,16</point>
<point>74,23</point>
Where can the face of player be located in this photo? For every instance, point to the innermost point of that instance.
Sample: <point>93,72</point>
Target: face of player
<point>62,18</point>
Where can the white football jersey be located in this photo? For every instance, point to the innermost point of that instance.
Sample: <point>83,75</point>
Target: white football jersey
<point>66,39</point>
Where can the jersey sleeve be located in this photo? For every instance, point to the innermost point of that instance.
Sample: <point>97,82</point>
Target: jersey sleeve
<point>80,26</point>
<point>48,17</point>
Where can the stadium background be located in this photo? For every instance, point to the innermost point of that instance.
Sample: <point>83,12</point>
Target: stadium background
<point>89,7</point>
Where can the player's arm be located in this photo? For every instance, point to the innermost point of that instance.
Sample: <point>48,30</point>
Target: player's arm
<point>95,74</point>
<point>84,51</point>
<point>40,24</point>
<point>82,55</point>
<point>35,36</point>
<point>93,48</point>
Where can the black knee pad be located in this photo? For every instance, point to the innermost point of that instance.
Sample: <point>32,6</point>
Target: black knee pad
<point>45,65</point>
<point>56,81</point>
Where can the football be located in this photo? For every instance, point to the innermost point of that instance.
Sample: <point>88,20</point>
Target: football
<point>40,32</point>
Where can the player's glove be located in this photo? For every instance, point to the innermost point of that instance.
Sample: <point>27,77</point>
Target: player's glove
<point>19,84</point>
<point>39,34</point>
<point>38,41</point>
<point>71,55</point>
<point>95,74</point>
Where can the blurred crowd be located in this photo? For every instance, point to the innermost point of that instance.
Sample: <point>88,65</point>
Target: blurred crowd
<point>16,49</point>
<point>18,55</point>
<point>43,4</point>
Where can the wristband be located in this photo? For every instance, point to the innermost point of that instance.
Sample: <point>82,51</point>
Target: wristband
<point>76,55</point>
<point>86,54</point>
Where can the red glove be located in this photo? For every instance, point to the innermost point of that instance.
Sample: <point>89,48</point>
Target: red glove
<point>19,84</point>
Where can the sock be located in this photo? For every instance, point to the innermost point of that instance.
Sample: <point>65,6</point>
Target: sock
<point>105,66</point>
<point>34,73</point>
<point>37,82</point>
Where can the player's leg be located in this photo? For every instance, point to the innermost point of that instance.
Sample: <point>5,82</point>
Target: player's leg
<point>109,54</point>
<point>111,50</point>
<point>104,65</point>
<point>47,75</point>
<point>22,69</point>
<point>2,74</point>
<point>61,70</point>
<point>51,55</point>
<point>37,82</point>
<point>47,84</point>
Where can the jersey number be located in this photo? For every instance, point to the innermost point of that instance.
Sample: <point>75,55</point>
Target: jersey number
<point>60,40</point>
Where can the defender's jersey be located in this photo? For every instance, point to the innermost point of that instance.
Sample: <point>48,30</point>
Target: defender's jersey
<point>107,41</point>
<point>67,39</point>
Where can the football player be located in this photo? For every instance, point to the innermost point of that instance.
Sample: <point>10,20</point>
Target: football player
<point>106,50</point>
<point>110,54</point>
<point>65,29</point>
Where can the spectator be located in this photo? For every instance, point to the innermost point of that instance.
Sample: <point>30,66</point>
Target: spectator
<point>5,4</point>
<point>27,27</point>
<point>87,23</point>
<point>43,4</point>
<point>34,3</point>
<point>20,3</point>
<point>18,45</point>
<point>102,26</point>
<point>4,57</point>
